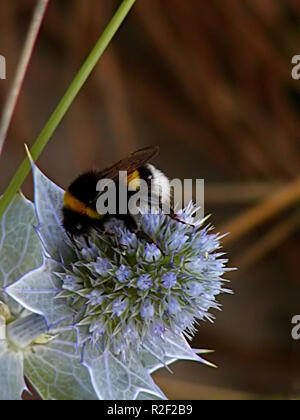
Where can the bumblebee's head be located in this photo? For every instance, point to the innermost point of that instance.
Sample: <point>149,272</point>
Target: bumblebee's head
<point>75,223</point>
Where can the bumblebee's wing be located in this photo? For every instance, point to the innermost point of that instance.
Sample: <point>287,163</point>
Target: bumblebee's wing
<point>130,163</point>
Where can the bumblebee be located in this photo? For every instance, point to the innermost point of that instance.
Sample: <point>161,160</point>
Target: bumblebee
<point>80,214</point>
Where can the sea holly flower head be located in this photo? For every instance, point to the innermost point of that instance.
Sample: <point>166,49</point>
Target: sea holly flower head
<point>128,300</point>
<point>113,287</point>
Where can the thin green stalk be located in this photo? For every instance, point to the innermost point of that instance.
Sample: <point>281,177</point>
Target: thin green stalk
<point>66,102</point>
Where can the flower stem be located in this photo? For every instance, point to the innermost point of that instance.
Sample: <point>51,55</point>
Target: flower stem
<point>66,102</point>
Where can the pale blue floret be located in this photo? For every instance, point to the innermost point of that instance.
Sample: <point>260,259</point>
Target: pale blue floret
<point>97,330</point>
<point>151,252</point>
<point>69,283</point>
<point>147,310</point>
<point>177,241</point>
<point>89,253</point>
<point>185,320</point>
<point>144,282</point>
<point>152,223</point>
<point>169,280</point>
<point>119,306</point>
<point>197,265</point>
<point>95,297</point>
<point>194,288</point>
<point>173,306</point>
<point>102,266</point>
<point>122,274</point>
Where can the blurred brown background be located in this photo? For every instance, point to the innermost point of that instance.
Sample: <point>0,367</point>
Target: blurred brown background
<point>210,82</point>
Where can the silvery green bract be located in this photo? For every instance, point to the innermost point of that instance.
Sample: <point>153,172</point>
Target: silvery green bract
<point>52,363</point>
<point>118,303</point>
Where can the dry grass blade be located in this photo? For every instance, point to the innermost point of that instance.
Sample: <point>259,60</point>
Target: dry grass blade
<point>28,48</point>
<point>268,243</point>
<point>263,212</point>
<point>239,192</point>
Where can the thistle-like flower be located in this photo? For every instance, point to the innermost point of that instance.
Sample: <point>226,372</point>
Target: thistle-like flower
<point>130,303</point>
<point>127,293</point>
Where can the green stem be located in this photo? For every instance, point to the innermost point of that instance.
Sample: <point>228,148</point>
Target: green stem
<point>66,102</point>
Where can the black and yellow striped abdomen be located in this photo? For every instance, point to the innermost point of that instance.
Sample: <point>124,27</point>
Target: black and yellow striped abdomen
<point>77,206</point>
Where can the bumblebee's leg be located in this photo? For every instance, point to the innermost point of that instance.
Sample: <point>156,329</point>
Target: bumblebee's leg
<point>170,212</point>
<point>102,230</point>
<point>71,237</point>
<point>86,240</point>
<point>175,217</point>
<point>132,226</point>
<point>115,237</point>
<point>147,238</point>
<point>100,226</point>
